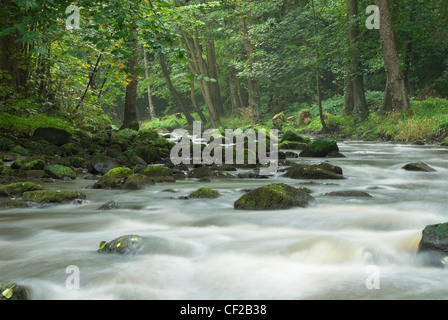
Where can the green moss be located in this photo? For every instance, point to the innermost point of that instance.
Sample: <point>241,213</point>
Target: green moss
<point>418,166</point>
<point>150,154</point>
<point>272,197</point>
<point>19,188</point>
<point>128,244</point>
<point>7,170</point>
<point>20,150</point>
<point>72,148</point>
<point>293,145</point>
<point>7,203</point>
<point>114,179</point>
<point>320,147</point>
<point>52,196</point>
<point>204,193</point>
<point>34,165</point>
<point>77,162</point>
<point>59,172</point>
<point>137,182</point>
<point>293,136</point>
<point>320,171</point>
<point>157,171</point>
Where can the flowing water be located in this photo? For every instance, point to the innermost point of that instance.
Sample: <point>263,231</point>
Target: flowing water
<point>337,248</point>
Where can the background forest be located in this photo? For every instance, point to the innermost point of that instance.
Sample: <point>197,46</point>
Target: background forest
<point>315,66</point>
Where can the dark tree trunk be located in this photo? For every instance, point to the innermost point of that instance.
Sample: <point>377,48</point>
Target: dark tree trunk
<point>130,102</point>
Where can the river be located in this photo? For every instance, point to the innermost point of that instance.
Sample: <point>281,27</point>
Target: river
<point>337,248</point>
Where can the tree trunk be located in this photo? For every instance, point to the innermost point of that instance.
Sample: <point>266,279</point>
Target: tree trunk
<point>318,79</point>
<point>213,73</point>
<point>348,95</point>
<point>399,95</point>
<point>252,85</point>
<point>360,110</point>
<point>195,103</point>
<point>174,93</point>
<point>152,111</point>
<point>130,102</point>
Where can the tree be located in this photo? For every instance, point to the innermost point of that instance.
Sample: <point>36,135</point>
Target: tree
<point>355,100</point>
<point>396,96</point>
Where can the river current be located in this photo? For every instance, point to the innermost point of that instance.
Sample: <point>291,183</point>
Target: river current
<point>337,248</point>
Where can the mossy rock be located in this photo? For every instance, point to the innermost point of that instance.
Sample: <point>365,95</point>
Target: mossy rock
<point>150,154</point>
<point>114,179</point>
<point>204,193</point>
<point>18,188</point>
<point>55,136</point>
<point>124,134</point>
<point>57,171</point>
<point>38,164</point>
<point>320,147</point>
<point>72,148</point>
<point>124,245</point>
<point>35,174</point>
<point>347,193</point>
<point>293,145</point>
<point>6,203</point>
<point>20,150</point>
<point>77,162</point>
<point>101,164</point>
<point>319,171</point>
<point>418,166</point>
<point>272,197</point>
<point>444,143</point>
<point>157,171</point>
<point>137,181</point>
<point>6,144</point>
<point>7,170</point>
<point>293,136</point>
<point>52,196</point>
<point>12,291</point>
<point>146,137</point>
<point>434,243</point>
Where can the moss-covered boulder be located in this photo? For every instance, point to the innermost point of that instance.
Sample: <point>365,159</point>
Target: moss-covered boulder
<point>55,136</point>
<point>38,164</point>
<point>18,188</point>
<point>159,173</point>
<point>7,203</point>
<point>101,164</point>
<point>418,166</point>
<point>52,196</point>
<point>204,193</point>
<point>72,148</point>
<point>10,290</point>
<point>321,147</point>
<point>272,197</point>
<point>19,150</point>
<point>57,171</point>
<point>434,243</point>
<point>125,245</point>
<point>294,136</point>
<point>6,144</point>
<point>347,193</point>
<point>316,171</point>
<point>137,181</point>
<point>292,145</point>
<point>114,179</point>
<point>149,154</point>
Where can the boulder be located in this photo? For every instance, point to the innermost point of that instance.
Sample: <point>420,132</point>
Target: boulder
<point>418,166</point>
<point>10,290</point>
<point>57,171</point>
<point>347,193</point>
<point>114,179</point>
<point>434,244</point>
<point>18,188</point>
<point>109,205</point>
<point>101,164</point>
<point>137,181</point>
<point>55,136</point>
<point>272,197</point>
<point>38,164</point>
<point>52,196</point>
<point>316,171</point>
<point>204,193</point>
<point>125,245</point>
<point>293,136</point>
<point>7,203</point>
<point>293,145</point>
<point>159,174</point>
<point>321,147</point>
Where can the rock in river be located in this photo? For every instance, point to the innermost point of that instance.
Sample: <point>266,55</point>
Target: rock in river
<point>434,244</point>
<point>315,171</point>
<point>418,166</point>
<point>272,197</point>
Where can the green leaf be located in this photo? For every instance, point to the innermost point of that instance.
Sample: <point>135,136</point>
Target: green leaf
<point>8,292</point>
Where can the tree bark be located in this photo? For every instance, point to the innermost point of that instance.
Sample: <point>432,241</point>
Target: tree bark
<point>252,85</point>
<point>399,95</point>
<point>130,102</point>
<point>195,103</point>
<point>152,110</point>
<point>173,91</point>
<point>359,110</point>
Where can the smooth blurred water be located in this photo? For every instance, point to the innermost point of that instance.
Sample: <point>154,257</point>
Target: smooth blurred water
<point>204,249</point>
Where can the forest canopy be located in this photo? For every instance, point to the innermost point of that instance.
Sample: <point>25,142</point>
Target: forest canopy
<point>312,63</point>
